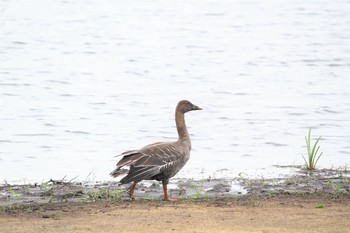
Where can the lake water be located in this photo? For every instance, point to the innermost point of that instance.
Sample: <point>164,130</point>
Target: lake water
<point>82,81</point>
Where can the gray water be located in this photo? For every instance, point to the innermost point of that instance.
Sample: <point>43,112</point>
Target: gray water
<point>82,81</point>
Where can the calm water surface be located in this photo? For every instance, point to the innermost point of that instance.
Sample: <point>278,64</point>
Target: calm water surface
<point>82,81</point>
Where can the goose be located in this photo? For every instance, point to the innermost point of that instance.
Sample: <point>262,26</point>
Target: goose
<point>158,161</point>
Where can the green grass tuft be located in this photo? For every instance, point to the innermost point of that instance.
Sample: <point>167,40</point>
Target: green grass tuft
<point>319,206</point>
<point>104,194</point>
<point>312,152</point>
<point>14,195</point>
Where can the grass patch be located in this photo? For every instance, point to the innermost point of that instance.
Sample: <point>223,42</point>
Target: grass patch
<point>14,195</point>
<point>104,194</point>
<point>197,191</point>
<point>319,206</point>
<point>148,197</point>
<point>312,152</point>
<point>45,186</point>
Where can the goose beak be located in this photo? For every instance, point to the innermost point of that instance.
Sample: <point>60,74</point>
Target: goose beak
<point>196,108</point>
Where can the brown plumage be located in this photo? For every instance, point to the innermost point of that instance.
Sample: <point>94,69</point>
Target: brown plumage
<point>159,161</point>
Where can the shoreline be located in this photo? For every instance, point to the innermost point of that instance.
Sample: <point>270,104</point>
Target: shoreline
<point>323,182</point>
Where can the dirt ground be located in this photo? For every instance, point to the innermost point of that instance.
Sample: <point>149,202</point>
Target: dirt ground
<point>288,213</point>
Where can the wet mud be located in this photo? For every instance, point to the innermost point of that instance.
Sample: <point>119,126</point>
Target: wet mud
<point>325,182</point>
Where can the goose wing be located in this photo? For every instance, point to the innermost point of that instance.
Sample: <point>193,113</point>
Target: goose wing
<point>148,161</point>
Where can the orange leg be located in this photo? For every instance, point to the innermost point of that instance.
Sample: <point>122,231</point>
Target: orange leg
<point>131,190</point>
<point>165,190</point>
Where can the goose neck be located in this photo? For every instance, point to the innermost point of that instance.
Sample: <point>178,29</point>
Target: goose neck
<point>181,127</point>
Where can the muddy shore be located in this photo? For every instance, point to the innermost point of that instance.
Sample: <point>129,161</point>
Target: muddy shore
<point>328,182</point>
<point>302,202</point>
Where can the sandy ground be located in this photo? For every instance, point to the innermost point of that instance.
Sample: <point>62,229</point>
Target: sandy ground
<point>295,213</point>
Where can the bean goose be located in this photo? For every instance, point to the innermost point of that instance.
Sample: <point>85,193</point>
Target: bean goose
<point>159,161</point>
